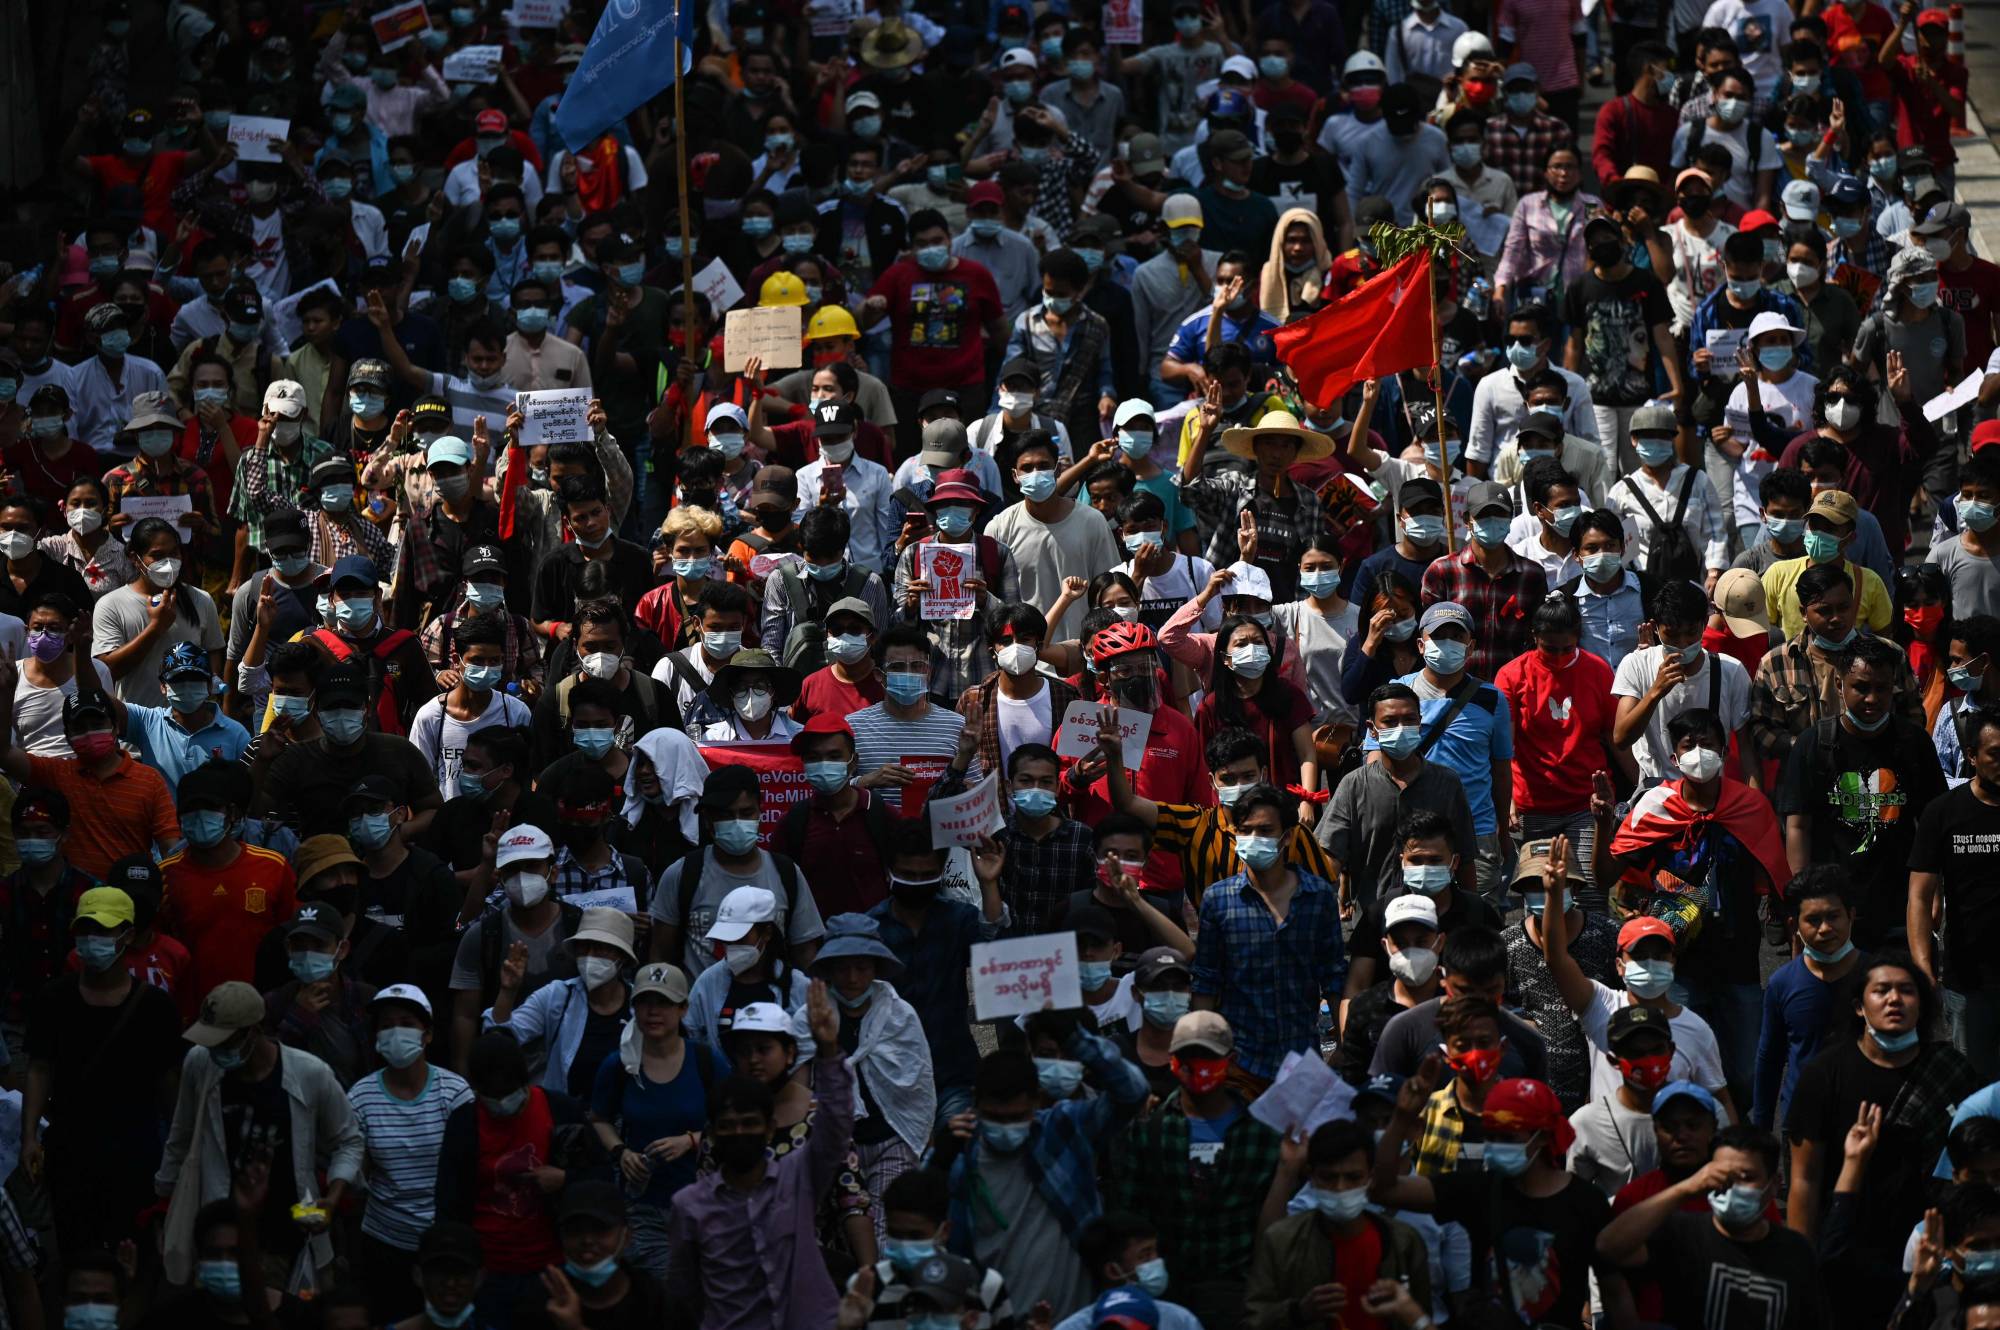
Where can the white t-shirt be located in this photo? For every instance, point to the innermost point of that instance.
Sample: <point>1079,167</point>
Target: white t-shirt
<point>38,713</point>
<point>1741,187</point>
<point>1175,588</point>
<point>441,736</point>
<point>1792,403</point>
<point>120,616</point>
<point>1761,28</point>
<point>1696,1057</point>
<point>1697,269</point>
<point>1023,721</point>
<point>1613,1143</point>
<point>1635,676</point>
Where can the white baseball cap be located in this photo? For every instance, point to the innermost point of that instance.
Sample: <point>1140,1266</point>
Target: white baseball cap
<point>285,397</point>
<point>409,993</point>
<point>1018,57</point>
<point>526,841</point>
<point>1132,408</point>
<point>1771,321</point>
<point>1250,580</point>
<point>742,910</point>
<point>1240,65</point>
<point>761,1018</point>
<point>1411,909</point>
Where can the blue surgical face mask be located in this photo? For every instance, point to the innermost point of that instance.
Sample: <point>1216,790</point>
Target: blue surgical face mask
<point>1603,567</point>
<point>1452,449</point>
<point>341,122</point>
<point>1975,514</point>
<point>1466,156</point>
<point>1188,25</point>
<point>1093,975</point>
<point>506,230</point>
<point>461,290</point>
<point>1774,358</point>
<point>1521,357</point>
<point>1444,656</point>
<point>984,228</point>
<point>1250,661</point>
<point>36,850</point>
<point>483,678</point>
<point>632,274</point>
<point>694,568</point>
<point>531,319</point>
<point>337,498</point>
<point>204,827</point>
<point>355,612</point>
<point>1425,530</point>
<point>1491,531</point>
<point>1822,546</point>
<point>1036,485</point>
<point>187,694</point>
<point>934,258</point>
<point>370,831</point>
<point>1979,1265</point>
<point>736,835</point>
<point>1163,1009</point>
<point>312,967</point>
<point>1834,957</point>
<point>1135,442</point>
<point>1745,288</point>
<point>290,706</point>
<point>757,225</point>
<point>953,520</point>
<point>1059,1077</point>
<point>797,243</point>
<point>1654,451</point>
<point>1785,530</point>
<point>905,688</point>
<point>1257,851</point>
<point>866,127</point>
<point>907,1255</point>
<point>827,777</point>
<point>1035,803</point>
<point>1427,879</point>
<point>1894,1041</point>
<point>367,405</point>
<point>1509,1159</point>
<point>1080,71</point>
<point>593,743</point>
<point>1399,741</point>
<point>1004,1137</point>
<point>593,1276</point>
<point>485,595</point>
<point>399,1045</point>
<point>221,1280</point>
<point>116,343</point>
<point>825,572</point>
<point>342,725</point>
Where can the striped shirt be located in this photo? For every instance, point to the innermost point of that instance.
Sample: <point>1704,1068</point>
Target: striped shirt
<point>128,812</point>
<point>881,740</point>
<point>1208,848</point>
<point>403,1138</point>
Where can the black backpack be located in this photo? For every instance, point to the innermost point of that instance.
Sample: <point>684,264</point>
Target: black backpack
<point>1674,553</point>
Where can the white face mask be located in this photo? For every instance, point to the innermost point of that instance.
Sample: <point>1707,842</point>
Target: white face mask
<point>83,521</point>
<point>1843,414</point>
<point>163,572</point>
<point>753,704</point>
<point>596,971</point>
<point>1414,965</point>
<point>1017,404</point>
<point>526,889</point>
<point>1017,658</point>
<point>600,665</point>
<point>1702,764</point>
<point>740,957</point>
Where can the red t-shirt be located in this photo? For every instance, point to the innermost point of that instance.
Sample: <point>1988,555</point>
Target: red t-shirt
<point>1295,93</point>
<point>1746,651</point>
<point>223,914</point>
<point>1852,41</point>
<point>221,467</point>
<point>164,965</point>
<point>1923,120</point>
<point>1173,772</point>
<point>49,478</point>
<point>1357,1262</point>
<point>1974,292</point>
<point>823,691</point>
<point>155,179</point>
<point>938,321</point>
<point>516,1233</point>
<point>1274,731</point>
<point>1560,717</point>
<point>844,859</point>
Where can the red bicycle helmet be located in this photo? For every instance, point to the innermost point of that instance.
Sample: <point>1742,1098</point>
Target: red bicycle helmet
<point>1119,639</point>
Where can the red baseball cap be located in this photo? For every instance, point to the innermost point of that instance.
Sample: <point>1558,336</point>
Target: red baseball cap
<point>1985,432</point>
<point>1755,220</point>
<point>1645,926</point>
<point>1520,1104</point>
<point>491,121</point>
<point>986,191</point>
<point>823,722</point>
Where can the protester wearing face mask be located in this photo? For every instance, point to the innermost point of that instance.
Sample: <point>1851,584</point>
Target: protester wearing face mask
<point>1409,934</point>
<point>1424,863</point>
<point>510,1118</point>
<point>44,455</point>
<point>156,470</point>
<point>755,968</point>
<point>320,1009</point>
<point>1801,995</point>
<point>274,471</point>
<point>1335,1257</point>
<point>106,385</point>
<point>1893,1046</point>
<point>441,1274</point>
<point>535,360</point>
<point>475,700</point>
<point>212,887</point>
<point>580,1016</point>
<point>190,729</point>
<point>306,781</point>
<point>82,1058</point>
<point>341,528</point>
<point>41,821</point>
<point>357,626</point>
<point>747,702</point>
<point>238,1060</point>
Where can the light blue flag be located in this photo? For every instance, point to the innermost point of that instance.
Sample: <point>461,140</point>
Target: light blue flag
<point>628,63</point>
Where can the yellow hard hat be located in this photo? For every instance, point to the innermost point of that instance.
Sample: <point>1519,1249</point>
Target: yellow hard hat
<point>782,288</point>
<point>831,321</point>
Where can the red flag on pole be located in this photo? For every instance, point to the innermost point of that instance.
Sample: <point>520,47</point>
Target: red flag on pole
<point>1381,327</point>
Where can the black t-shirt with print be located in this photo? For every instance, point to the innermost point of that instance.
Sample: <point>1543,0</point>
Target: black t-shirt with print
<point>1713,1281</point>
<point>1531,1254</point>
<point>1958,838</point>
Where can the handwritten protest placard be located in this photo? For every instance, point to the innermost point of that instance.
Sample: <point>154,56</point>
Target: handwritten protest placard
<point>966,819</point>
<point>719,285</point>
<point>1305,1096</point>
<point>175,508</point>
<point>258,137</point>
<point>1125,22</point>
<point>1023,974</point>
<point>781,779</point>
<point>400,24</point>
<point>473,64</point>
<point>557,415</point>
<point>616,898</point>
<point>943,570</point>
<point>537,13</point>
<point>1723,344</point>
<point>832,18</point>
<point>1077,737</point>
<point>769,332</point>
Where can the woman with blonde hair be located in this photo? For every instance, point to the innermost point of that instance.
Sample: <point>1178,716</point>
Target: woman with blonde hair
<point>1295,274</point>
<point>688,552</point>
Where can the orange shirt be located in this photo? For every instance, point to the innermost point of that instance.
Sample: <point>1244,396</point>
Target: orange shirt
<point>127,812</point>
<point>222,914</point>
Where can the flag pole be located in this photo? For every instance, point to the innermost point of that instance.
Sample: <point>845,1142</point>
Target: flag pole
<point>687,246</point>
<point>1437,393</point>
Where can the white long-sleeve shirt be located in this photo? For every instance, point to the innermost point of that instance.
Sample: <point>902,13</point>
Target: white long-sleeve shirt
<point>1704,515</point>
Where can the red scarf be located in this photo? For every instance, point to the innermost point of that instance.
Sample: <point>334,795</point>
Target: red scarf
<point>1661,816</point>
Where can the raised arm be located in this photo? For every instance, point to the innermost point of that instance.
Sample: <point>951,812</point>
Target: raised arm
<point>1388,1186</point>
<point>1574,985</point>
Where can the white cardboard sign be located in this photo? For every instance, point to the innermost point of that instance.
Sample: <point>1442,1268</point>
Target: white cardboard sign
<point>258,137</point>
<point>557,415</point>
<point>966,819</point>
<point>1019,975</point>
<point>1077,736</point>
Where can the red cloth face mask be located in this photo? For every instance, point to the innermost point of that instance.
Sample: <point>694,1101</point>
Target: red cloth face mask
<point>1481,91</point>
<point>1200,1074</point>
<point>1481,1064</point>
<point>1649,1073</point>
<point>1924,620</point>
<point>94,747</point>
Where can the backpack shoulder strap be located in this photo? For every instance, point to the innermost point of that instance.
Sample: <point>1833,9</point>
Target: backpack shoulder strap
<point>1681,503</point>
<point>1459,696</point>
<point>1715,684</point>
<point>788,878</point>
<point>692,868</point>
<point>1633,489</point>
<point>389,645</point>
<point>333,643</point>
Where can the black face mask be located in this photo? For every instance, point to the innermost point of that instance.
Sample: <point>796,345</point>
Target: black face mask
<point>916,894</point>
<point>343,901</point>
<point>580,835</point>
<point>1288,142</point>
<point>1606,256</point>
<point>736,1151</point>
<point>1696,205</point>
<point>1136,692</point>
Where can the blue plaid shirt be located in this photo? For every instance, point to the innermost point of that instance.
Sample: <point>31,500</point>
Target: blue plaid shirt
<point>1268,977</point>
<point>1061,1153</point>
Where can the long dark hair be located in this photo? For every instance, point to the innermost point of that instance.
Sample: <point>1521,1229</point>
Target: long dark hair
<point>1857,984</point>
<point>144,532</point>
<point>1270,695</point>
